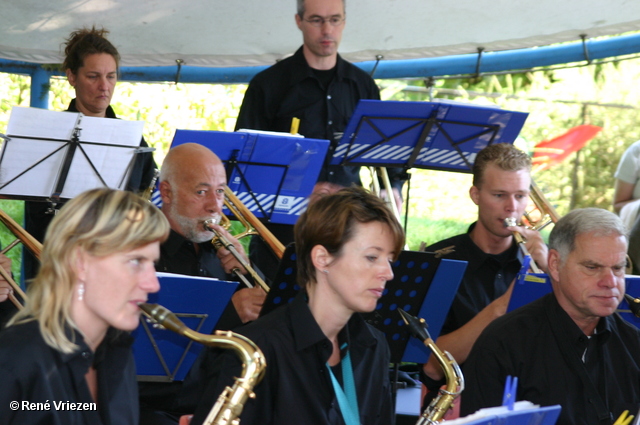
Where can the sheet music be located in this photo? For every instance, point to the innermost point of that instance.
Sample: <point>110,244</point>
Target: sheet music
<point>271,133</point>
<point>37,162</point>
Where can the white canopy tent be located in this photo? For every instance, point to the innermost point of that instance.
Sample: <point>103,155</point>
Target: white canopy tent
<point>223,33</point>
<point>229,41</point>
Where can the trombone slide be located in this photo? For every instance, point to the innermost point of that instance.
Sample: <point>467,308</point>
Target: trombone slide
<point>243,214</point>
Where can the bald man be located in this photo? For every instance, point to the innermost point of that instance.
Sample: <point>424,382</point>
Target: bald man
<point>192,182</point>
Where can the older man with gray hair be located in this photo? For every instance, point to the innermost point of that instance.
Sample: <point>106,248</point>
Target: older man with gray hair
<point>569,347</point>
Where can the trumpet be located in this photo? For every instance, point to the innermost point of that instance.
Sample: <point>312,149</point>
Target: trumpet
<point>230,403</point>
<point>547,211</point>
<point>548,215</point>
<point>220,241</point>
<point>511,221</point>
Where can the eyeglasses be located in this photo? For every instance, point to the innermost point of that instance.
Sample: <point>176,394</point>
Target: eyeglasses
<point>317,21</point>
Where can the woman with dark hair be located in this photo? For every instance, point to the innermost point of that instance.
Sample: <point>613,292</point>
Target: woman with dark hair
<point>91,64</point>
<point>63,358</point>
<point>325,364</point>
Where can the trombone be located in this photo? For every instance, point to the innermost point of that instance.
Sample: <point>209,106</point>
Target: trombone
<point>252,226</point>
<point>29,242</point>
<point>220,241</point>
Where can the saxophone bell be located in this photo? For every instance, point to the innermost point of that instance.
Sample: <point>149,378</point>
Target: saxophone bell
<point>435,412</point>
<point>230,403</point>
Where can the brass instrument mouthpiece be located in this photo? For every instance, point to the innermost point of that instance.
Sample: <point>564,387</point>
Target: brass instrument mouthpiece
<point>211,221</point>
<point>510,221</point>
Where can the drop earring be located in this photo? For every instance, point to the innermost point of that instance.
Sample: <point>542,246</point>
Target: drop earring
<point>81,291</point>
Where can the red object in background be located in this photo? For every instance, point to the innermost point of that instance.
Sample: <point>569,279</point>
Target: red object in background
<point>551,152</point>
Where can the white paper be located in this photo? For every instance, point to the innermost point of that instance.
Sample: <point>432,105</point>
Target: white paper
<point>22,153</point>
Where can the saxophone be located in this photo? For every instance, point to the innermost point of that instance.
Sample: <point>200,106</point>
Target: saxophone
<point>453,375</point>
<point>229,405</point>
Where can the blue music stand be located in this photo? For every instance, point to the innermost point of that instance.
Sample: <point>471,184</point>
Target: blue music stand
<point>422,285</point>
<point>272,174</point>
<point>442,135</point>
<point>164,356</point>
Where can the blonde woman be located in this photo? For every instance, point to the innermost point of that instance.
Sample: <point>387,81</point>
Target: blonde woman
<point>63,358</point>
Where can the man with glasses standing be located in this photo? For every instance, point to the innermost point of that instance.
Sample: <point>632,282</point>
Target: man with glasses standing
<point>319,88</point>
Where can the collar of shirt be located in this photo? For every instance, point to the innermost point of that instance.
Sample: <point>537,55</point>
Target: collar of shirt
<point>72,108</point>
<point>307,332</point>
<point>570,330</point>
<point>302,70</point>
<point>86,357</point>
<point>476,257</point>
<point>175,241</point>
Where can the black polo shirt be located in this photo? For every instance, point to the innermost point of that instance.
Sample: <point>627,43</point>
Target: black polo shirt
<point>486,277</point>
<point>297,388</point>
<point>291,88</point>
<point>541,345</point>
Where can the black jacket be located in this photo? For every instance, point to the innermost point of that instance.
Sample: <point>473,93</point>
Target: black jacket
<point>33,372</point>
<point>297,388</point>
<point>291,88</point>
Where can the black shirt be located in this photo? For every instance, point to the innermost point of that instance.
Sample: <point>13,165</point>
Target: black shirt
<point>178,255</point>
<point>324,101</point>
<point>290,88</point>
<point>32,371</point>
<point>541,345</point>
<point>486,277</point>
<point>297,387</point>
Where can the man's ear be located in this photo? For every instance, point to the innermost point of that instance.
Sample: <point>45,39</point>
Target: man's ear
<point>474,194</point>
<point>554,264</point>
<point>320,257</point>
<point>298,21</point>
<point>165,192</point>
<point>71,77</point>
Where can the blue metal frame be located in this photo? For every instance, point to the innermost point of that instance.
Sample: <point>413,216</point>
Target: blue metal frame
<point>413,68</point>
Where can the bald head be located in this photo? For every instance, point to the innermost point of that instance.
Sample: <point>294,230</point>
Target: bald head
<point>187,156</point>
<point>192,182</point>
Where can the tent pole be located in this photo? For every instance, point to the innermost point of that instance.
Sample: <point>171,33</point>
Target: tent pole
<point>40,88</point>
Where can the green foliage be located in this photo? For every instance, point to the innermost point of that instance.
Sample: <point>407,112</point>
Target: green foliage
<point>15,210</point>
<point>439,206</point>
<point>431,231</point>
